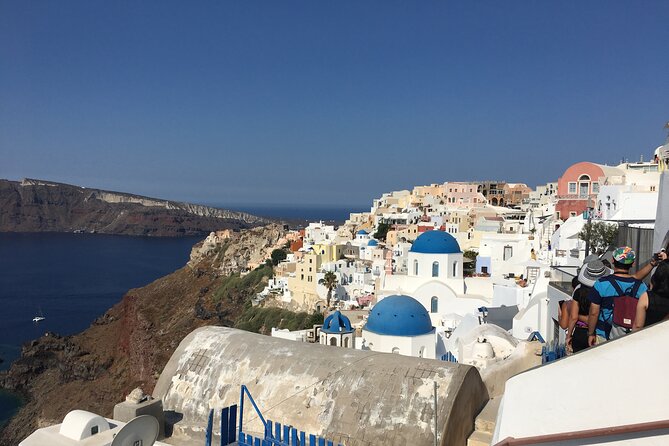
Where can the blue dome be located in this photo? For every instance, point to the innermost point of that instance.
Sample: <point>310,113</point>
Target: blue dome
<point>435,242</point>
<point>372,242</point>
<point>399,316</point>
<point>362,232</point>
<point>336,323</point>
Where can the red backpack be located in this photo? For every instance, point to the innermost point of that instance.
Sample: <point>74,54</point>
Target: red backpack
<point>624,305</point>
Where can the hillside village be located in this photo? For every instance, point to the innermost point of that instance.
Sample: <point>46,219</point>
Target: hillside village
<point>468,252</point>
<point>462,281</point>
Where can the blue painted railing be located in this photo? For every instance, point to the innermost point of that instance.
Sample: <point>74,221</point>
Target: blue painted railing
<point>228,431</point>
<point>274,433</point>
<point>449,357</point>
<point>552,351</point>
<point>278,435</point>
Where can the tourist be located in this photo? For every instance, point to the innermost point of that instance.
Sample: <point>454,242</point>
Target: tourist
<point>653,306</point>
<point>564,306</point>
<point>533,255</point>
<point>577,330</point>
<point>612,308</point>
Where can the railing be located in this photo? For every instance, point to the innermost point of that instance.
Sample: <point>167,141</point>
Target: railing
<point>274,434</point>
<point>575,436</point>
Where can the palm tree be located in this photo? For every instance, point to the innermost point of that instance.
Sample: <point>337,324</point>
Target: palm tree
<point>329,281</point>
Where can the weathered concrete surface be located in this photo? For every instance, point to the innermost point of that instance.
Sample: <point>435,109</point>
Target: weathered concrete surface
<point>353,397</point>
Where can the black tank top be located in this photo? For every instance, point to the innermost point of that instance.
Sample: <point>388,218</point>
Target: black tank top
<point>658,308</point>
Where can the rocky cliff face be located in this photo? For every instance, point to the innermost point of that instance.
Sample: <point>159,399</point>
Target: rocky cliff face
<point>41,206</point>
<point>129,345</point>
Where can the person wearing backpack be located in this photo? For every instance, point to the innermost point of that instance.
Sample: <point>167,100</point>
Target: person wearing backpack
<point>614,299</point>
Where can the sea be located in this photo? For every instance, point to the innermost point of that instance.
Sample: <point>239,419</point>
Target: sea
<point>70,280</point>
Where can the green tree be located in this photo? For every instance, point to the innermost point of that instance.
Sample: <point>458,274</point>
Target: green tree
<point>382,231</point>
<point>330,282</point>
<point>278,255</point>
<point>600,235</point>
<point>469,259</point>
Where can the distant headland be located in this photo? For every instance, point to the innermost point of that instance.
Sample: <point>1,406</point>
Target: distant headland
<point>33,205</point>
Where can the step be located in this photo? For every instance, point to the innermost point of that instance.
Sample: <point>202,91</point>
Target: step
<point>479,439</point>
<point>487,418</point>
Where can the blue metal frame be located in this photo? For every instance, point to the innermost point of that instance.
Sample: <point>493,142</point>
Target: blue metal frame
<point>243,390</point>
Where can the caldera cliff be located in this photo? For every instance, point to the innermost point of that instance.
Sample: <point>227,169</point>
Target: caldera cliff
<point>129,345</point>
<point>43,206</point>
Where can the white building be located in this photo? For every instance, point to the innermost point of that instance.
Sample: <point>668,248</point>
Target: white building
<point>434,278</point>
<point>319,233</point>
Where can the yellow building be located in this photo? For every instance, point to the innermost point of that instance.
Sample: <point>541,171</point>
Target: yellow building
<point>330,252</point>
<point>303,284</point>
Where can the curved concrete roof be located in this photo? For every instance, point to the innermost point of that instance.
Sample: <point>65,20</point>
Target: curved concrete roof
<point>350,396</point>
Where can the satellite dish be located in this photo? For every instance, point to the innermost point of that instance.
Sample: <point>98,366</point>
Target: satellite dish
<point>140,431</point>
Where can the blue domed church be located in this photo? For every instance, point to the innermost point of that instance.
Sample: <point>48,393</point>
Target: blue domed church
<point>434,278</point>
<point>337,331</point>
<point>399,324</point>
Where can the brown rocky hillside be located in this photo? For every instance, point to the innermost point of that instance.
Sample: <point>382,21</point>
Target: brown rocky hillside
<point>129,345</point>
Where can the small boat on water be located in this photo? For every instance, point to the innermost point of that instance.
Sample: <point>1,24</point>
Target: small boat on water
<point>40,317</point>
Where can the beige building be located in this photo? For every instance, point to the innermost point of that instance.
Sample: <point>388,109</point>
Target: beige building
<point>303,284</point>
<point>515,193</point>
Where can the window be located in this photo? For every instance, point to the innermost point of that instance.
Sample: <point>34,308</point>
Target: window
<point>346,342</point>
<point>572,188</point>
<point>652,188</point>
<point>435,269</point>
<point>595,188</point>
<point>434,304</point>
<point>415,267</point>
<point>333,341</point>
<point>94,430</point>
<point>396,350</point>
<point>572,214</point>
<point>455,269</point>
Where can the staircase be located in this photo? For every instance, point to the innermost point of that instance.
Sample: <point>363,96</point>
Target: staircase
<point>484,426</point>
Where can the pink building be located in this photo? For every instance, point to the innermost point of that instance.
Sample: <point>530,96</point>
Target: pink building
<point>578,185</point>
<point>463,194</point>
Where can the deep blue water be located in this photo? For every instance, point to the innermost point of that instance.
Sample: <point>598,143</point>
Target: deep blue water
<point>72,279</point>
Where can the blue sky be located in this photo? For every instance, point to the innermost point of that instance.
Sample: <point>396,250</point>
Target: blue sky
<point>325,102</point>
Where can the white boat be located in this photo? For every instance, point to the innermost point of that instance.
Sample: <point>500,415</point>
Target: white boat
<point>40,317</point>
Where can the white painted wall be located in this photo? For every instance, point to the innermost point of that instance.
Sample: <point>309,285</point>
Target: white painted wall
<point>618,383</point>
<point>407,345</point>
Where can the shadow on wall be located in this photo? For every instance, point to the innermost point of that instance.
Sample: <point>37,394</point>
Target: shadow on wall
<point>171,418</point>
